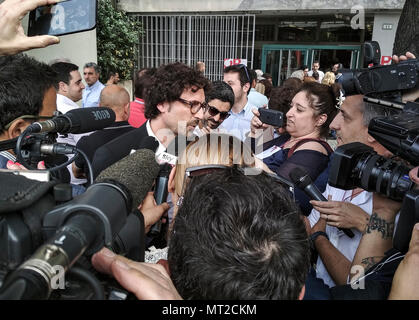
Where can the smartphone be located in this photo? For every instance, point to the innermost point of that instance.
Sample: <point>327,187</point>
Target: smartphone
<point>273,117</point>
<point>40,175</point>
<point>66,17</point>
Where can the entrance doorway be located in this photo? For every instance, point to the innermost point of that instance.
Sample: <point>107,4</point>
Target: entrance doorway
<point>282,60</point>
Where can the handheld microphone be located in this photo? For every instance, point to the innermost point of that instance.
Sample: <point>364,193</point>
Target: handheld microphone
<point>303,181</point>
<point>75,121</point>
<point>86,224</point>
<point>160,194</point>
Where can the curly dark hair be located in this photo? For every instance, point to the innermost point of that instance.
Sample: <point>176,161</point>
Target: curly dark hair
<point>323,99</point>
<point>280,100</point>
<point>23,83</point>
<point>168,83</point>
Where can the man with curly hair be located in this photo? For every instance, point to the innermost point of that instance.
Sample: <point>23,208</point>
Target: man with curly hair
<point>175,103</point>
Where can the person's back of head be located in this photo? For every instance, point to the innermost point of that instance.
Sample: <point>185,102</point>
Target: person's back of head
<point>117,98</point>
<point>245,240</point>
<point>169,82</point>
<point>316,75</point>
<point>24,82</point>
<point>298,74</point>
<point>329,78</point>
<point>281,98</point>
<point>142,81</point>
<point>293,82</point>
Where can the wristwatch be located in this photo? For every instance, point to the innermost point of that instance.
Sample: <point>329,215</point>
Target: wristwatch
<point>316,234</point>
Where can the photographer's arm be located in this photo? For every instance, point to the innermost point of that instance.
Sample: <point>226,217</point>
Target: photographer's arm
<point>335,262</point>
<point>12,37</point>
<point>377,237</point>
<point>405,284</point>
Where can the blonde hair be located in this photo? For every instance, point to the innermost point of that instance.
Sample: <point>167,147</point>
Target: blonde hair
<point>213,148</point>
<point>329,78</point>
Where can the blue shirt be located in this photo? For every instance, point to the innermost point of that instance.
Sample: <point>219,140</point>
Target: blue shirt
<point>257,99</point>
<point>238,124</point>
<point>91,95</point>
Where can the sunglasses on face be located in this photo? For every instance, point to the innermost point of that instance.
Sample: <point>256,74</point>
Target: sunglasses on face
<point>194,105</point>
<point>213,111</point>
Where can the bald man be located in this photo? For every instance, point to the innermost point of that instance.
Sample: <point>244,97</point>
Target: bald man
<point>116,98</point>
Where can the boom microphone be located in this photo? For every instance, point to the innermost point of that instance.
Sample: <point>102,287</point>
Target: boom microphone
<point>303,181</point>
<point>86,224</point>
<point>75,121</point>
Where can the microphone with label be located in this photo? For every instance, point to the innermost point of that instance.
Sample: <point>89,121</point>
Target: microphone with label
<point>85,224</point>
<point>80,120</point>
<point>303,181</point>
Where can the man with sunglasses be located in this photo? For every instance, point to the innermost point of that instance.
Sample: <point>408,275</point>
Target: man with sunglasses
<point>174,105</point>
<point>240,80</point>
<point>27,94</point>
<point>219,100</point>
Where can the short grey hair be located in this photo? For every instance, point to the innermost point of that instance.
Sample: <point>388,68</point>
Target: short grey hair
<point>92,65</point>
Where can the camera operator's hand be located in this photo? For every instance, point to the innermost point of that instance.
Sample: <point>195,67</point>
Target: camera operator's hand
<point>342,214</point>
<point>17,166</point>
<point>405,284</point>
<point>147,281</point>
<point>256,126</point>
<point>408,95</point>
<point>151,211</point>
<point>405,57</point>
<point>413,175</point>
<point>12,37</point>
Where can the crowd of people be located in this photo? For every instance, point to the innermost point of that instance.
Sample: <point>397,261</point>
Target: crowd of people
<point>235,231</point>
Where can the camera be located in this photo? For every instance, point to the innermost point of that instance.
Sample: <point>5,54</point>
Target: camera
<point>358,165</point>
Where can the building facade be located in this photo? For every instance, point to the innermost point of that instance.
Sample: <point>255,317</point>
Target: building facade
<point>277,36</point>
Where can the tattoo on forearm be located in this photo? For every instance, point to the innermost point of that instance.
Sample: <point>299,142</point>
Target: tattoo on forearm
<point>381,225</point>
<point>370,261</point>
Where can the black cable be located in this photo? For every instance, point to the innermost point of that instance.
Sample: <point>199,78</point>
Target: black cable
<point>62,165</point>
<point>99,292</point>
<point>19,149</point>
<point>89,165</point>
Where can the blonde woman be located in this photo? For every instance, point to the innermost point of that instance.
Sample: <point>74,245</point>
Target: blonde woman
<point>329,78</point>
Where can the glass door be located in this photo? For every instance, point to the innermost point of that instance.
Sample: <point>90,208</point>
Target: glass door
<point>282,63</point>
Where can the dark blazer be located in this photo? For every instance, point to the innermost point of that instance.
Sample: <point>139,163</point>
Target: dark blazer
<point>117,149</point>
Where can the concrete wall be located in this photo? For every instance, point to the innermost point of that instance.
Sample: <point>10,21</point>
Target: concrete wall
<point>149,6</point>
<point>382,32</point>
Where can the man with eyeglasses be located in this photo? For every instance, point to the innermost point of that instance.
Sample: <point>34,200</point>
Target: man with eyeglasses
<point>239,78</point>
<point>219,100</point>
<point>174,106</point>
<point>27,94</point>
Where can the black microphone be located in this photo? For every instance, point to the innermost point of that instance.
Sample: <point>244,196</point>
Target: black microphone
<point>303,181</point>
<point>75,121</point>
<point>160,194</point>
<point>86,224</point>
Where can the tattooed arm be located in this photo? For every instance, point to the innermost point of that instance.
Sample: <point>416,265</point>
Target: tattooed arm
<point>377,237</point>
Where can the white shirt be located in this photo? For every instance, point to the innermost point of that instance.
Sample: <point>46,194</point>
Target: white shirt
<point>257,99</point>
<point>64,105</point>
<point>150,132</point>
<point>347,246</point>
<point>238,124</point>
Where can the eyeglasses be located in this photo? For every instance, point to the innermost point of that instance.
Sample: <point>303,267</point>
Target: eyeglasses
<point>196,172</point>
<point>213,111</point>
<point>194,105</point>
<point>27,117</point>
<point>245,69</point>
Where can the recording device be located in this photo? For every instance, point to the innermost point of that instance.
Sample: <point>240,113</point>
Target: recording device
<point>66,17</point>
<point>75,121</point>
<point>160,194</point>
<point>38,141</point>
<point>303,181</point>
<point>272,117</point>
<point>357,165</point>
<point>75,229</point>
<point>372,53</point>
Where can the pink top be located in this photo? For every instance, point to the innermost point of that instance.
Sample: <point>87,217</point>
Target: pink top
<point>136,113</point>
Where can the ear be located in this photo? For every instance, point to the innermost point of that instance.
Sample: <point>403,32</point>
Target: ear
<point>62,87</point>
<point>370,139</point>
<point>246,87</point>
<point>321,119</point>
<point>171,184</point>
<point>126,111</point>
<point>302,293</point>
<point>17,128</point>
<point>163,107</point>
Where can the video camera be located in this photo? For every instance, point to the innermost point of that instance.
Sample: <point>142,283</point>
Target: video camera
<point>358,165</point>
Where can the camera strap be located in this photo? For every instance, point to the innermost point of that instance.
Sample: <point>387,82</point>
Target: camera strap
<point>8,144</point>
